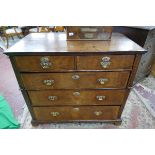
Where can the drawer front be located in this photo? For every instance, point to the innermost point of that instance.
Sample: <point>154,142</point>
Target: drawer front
<point>76,113</point>
<point>37,81</point>
<point>44,63</point>
<point>73,97</point>
<point>105,62</point>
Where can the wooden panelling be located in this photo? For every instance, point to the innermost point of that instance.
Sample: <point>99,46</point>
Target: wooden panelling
<point>76,113</point>
<point>105,62</point>
<point>44,64</point>
<point>88,80</point>
<point>135,67</point>
<point>75,97</point>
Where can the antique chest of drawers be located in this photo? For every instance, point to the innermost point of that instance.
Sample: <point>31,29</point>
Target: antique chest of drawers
<point>64,81</point>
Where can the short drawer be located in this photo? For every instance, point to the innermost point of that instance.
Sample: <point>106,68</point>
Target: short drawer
<point>105,62</point>
<point>44,63</point>
<point>82,80</point>
<point>76,113</point>
<point>81,97</point>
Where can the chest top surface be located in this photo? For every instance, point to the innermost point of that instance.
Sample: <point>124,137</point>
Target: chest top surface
<point>55,43</point>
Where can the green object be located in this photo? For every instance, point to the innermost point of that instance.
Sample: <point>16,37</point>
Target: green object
<point>7,120</point>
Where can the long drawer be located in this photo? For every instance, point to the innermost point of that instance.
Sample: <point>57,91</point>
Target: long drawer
<point>105,62</point>
<point>44,63</point>
<point>79,80</point>
<point>73,97</point>
<point>76,113</point>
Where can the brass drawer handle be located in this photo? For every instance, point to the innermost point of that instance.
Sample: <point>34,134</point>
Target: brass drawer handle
<point>45,62</point>
<point>105,63</point>
<point>55,113</point>
<point>76,93</point>
<point>100,98</point>
<point>76,109</point>
<point>52,98</point>
<point>102,80</point>
<point>98,113</point>
<point>75,77</point>
<point>48,82</point>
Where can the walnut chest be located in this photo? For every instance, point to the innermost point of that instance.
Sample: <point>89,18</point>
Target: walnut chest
<point>65,81</point>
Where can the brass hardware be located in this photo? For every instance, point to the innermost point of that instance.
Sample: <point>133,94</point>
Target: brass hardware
<point>48,82</point>
<point>100,98</point>
<point>98,113</point>
<point>44,62</point>
<point>55,113</point>
<point>102,80</point>
<point>52,98</point>
<point>76,93</point>
<point>105,63</point>
<point>75,77</point>
<point>77,109</point>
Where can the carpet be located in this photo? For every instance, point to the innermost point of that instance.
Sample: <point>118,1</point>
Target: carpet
<point>146,93</point>
<point>9,87</point>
